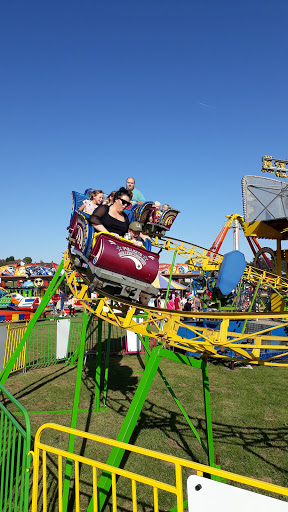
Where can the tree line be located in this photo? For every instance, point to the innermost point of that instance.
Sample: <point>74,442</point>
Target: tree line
<point>11,259</point>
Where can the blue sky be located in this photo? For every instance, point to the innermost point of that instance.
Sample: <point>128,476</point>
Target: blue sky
<point>185,96</point>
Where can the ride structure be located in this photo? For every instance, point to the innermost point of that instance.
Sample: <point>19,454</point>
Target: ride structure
<point>101,254</point>
<point>171,329</point>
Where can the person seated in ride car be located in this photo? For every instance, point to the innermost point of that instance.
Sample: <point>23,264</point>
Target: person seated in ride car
<point>89,205</point>
<point>109,198</point>
<point>137,196</point>
<point>134,233</point>
<point>112,219</point>
<point>157,207</point>
<point>165,207</point>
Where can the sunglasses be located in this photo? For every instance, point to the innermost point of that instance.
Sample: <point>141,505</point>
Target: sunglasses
<point>124,202</point>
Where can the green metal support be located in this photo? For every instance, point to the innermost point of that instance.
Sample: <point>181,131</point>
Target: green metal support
<point>6,371</point>
<point>75,411</point>
<point>131,418</point>
<point>251,305</point>
<point>15,443</point>
<point>235,300</point>
<point>168,386</point>
<point>147,352</point>
<point>74,357</point>
<point>206,391</point>
<point>170,279</point>
<point>128,426</point>
<point>98,366</point>
<point>106,371</point>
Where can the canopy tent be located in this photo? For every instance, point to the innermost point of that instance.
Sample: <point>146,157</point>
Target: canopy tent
<point>161,282</point>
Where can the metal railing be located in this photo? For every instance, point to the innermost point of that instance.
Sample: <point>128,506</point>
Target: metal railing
<point>40,348</point>
<point>14,336</point>
<point>133,480</point>
<point>41,343</point>
<point>15,459</point>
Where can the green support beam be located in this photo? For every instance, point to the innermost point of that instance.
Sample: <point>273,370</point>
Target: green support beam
<point>98,366</point>
<point>185,360</point>
<point>128,426</point>
<point>75,411</point>
<point>106,371</point>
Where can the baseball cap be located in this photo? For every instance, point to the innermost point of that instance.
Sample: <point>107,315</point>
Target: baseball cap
<point>135,226</point>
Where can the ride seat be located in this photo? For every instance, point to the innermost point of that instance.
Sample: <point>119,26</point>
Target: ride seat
<point>77,200</point>
<point>131,212</point>
<point>144,212</point>
<point>167,218</point>
<point>147,244</point>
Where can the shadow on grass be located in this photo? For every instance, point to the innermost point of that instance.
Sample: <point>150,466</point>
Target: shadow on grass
<point>155,416</point>
<point>43,381</point>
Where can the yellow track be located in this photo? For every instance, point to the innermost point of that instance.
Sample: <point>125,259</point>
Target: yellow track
<point>204,259</point>
<point>163,324</point>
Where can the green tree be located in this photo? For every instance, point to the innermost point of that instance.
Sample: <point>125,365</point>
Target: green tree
<point>11,258</point>
<point>27,259</point>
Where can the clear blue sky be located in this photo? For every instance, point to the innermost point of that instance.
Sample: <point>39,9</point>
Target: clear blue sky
<point>184,96</point>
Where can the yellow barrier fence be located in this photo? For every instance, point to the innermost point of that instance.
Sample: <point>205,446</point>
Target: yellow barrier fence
<point>180,467</point>
<point>14,336</point>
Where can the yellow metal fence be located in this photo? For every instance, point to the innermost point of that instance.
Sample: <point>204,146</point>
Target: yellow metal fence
<point>14,336</point>
<point>181,469</point>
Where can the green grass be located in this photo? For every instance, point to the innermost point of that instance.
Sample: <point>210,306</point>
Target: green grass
<point>249,414</point>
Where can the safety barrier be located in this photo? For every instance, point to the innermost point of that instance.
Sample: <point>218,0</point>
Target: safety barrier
<point>180,468</point>
<point>15,443</point>
<point>13,337</point>
<point>50,342</point>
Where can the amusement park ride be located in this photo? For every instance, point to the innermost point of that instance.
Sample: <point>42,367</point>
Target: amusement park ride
<point>123,274</point>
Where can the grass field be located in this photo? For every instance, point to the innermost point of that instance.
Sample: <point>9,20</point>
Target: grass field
<point>249,414</point>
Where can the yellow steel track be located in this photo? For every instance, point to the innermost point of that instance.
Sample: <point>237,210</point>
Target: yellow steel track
<point>164,325</point>
<point>204,259</point>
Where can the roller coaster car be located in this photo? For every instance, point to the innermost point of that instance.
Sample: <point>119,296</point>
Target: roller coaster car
<point>115,266</point>
<point>153,221</point>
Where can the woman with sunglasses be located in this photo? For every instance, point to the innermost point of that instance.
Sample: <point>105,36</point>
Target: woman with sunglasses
<point>113,219</point>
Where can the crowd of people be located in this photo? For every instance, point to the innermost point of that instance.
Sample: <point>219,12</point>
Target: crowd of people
<point>188,302</point>
<point>109,216</point>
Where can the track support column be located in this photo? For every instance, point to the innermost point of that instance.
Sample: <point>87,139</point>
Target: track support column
<point>128,426</point>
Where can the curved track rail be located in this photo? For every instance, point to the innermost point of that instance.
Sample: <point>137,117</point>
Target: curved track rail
<point>261,347</point>
<point>205,259</point>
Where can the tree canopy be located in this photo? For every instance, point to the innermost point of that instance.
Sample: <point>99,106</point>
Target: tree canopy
<point>27,259</point>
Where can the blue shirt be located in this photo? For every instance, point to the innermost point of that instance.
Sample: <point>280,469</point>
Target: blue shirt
<point>138,196</point>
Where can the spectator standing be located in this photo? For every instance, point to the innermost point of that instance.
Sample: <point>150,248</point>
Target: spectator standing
<point>188,305</point>
<point>62,300</point>
<point>137,196</point>
<point>157,301</point>
<point>177,301</point>
<point>70,305</point>
<point>196,303</point>
<point>170,303</point>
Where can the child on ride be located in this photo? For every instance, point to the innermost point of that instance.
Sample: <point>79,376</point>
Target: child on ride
<point>110,198</point>
<point>135,234</point>
<point>89,205</point>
